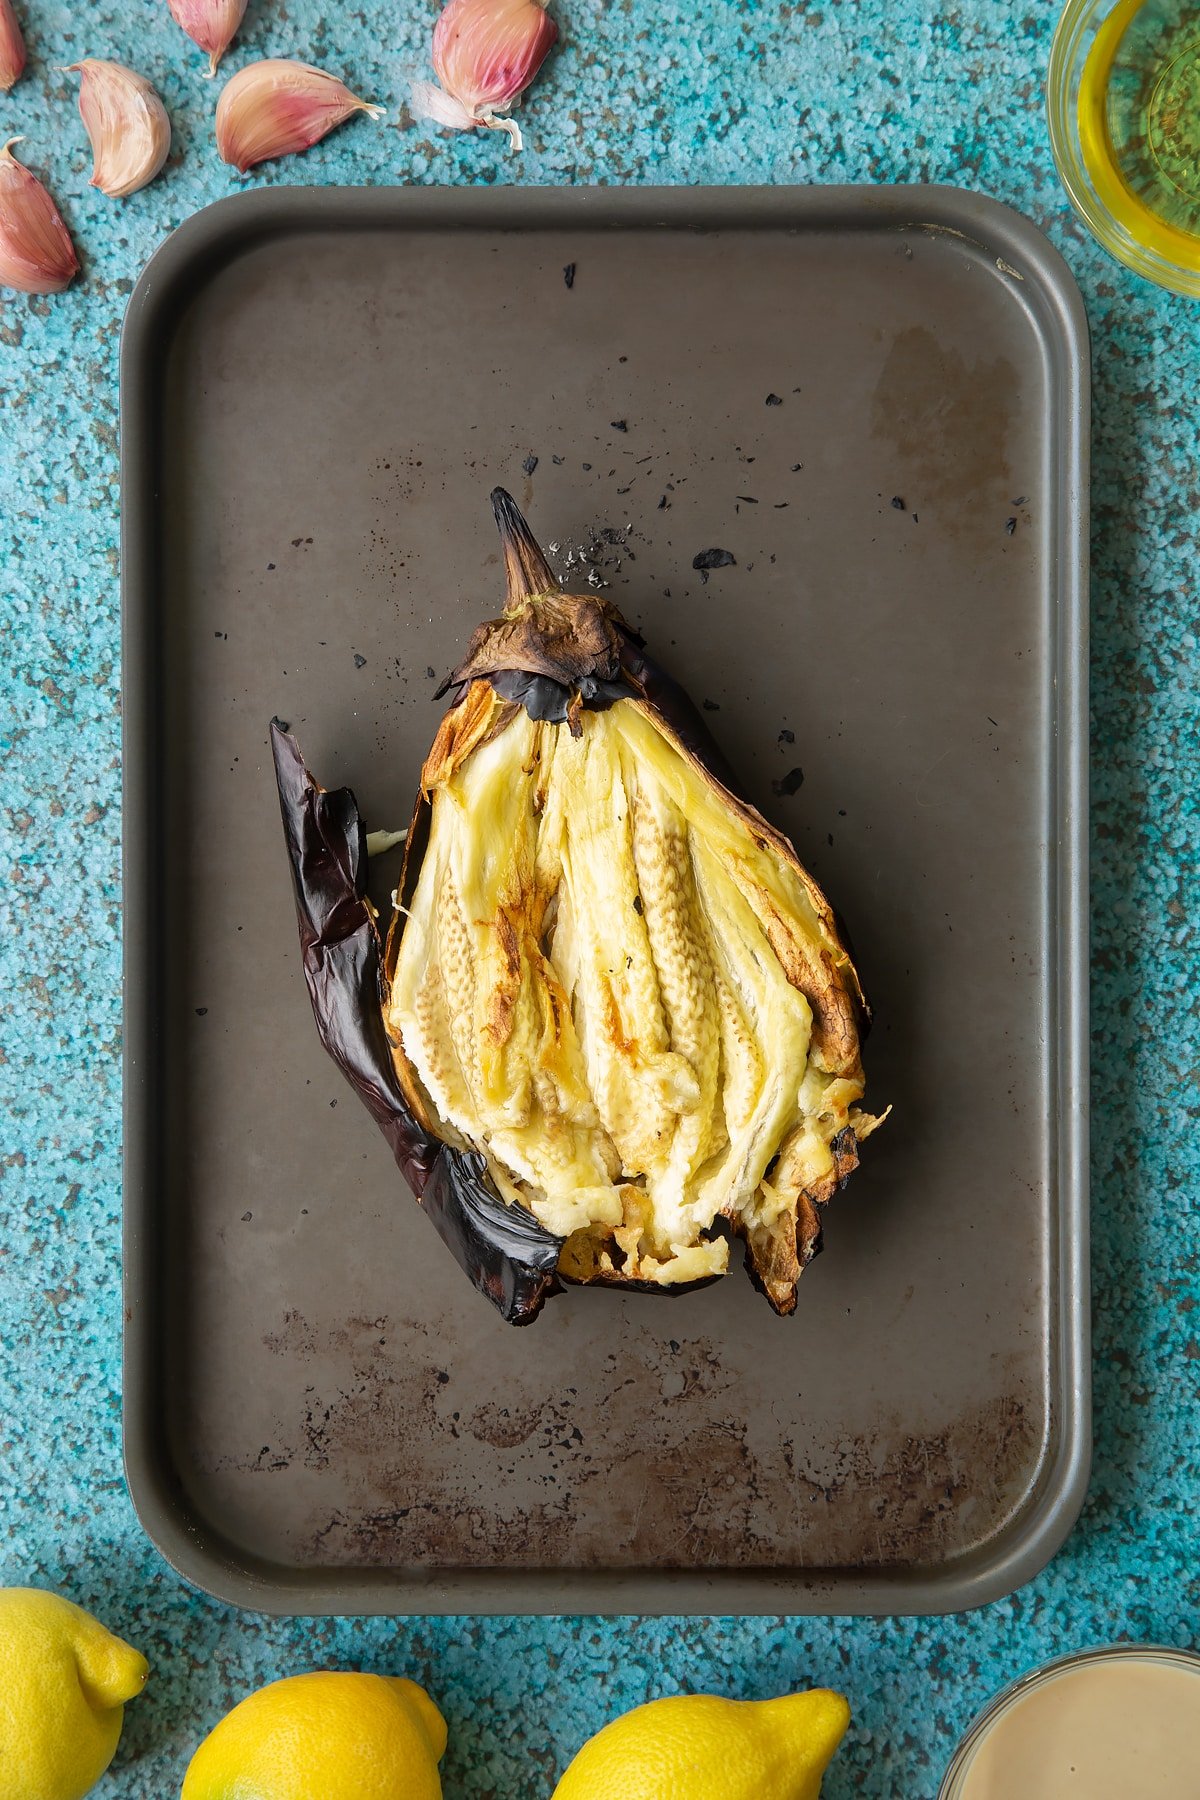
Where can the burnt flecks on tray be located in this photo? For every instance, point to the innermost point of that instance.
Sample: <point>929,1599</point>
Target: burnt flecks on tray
<point>713,559</point>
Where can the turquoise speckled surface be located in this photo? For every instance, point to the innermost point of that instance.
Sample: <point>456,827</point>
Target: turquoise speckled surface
<point>725,91</point>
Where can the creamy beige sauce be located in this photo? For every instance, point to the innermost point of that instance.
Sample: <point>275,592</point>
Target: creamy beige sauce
<point>1126,1729</point>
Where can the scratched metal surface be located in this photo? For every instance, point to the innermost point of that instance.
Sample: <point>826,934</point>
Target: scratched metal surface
<point>865,417</point>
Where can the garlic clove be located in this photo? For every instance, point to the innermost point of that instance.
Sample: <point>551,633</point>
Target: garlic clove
<point>36,252</point>
<point>276,107</point>
<point>212,24</point>
<point>485,53</point>
<point>12,47</point>
<point>126,123</point>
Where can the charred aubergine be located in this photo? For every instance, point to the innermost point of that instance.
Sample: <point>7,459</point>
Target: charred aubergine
<point>612,1023</point>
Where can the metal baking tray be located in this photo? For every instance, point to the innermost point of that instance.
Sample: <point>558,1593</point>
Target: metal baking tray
<point>876,400</point>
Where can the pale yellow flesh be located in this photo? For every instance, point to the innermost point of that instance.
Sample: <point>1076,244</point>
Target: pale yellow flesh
<point>586,992</point>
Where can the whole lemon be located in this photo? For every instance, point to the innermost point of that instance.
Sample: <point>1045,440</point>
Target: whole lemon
<point>64,1681</point>
<point>696,1747</point>
<point>324,1737</point>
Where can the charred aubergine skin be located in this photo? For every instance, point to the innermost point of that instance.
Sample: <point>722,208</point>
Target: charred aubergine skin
<point>555,661</point>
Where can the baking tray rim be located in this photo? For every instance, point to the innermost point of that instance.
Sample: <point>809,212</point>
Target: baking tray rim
<point>194,1549</point>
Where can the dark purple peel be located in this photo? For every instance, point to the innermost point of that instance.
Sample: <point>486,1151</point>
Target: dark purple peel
<point>507,1254</point>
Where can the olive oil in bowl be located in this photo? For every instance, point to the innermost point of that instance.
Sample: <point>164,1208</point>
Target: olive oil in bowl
<point>1124,105</point>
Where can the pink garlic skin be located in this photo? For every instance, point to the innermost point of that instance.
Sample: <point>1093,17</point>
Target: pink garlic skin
<point>12,47</point>
<point>212,24</point>
<point>485,53</point>
<point>276,107</point>
<point>36,252</point>
<point>126,123</point>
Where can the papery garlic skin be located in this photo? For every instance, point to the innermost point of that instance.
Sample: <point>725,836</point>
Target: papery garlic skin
<point>212,24</point>
<point>276,107</point>
<point>486,53</point>
<point>36,252</point>
<point>126,123</point>
<point>12,47</point>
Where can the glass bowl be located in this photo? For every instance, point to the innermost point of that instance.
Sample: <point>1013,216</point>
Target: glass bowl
<point>1123,102</point>
<point>955,1779</point>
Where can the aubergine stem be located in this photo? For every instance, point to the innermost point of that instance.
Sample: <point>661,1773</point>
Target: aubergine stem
<point>528,574</point>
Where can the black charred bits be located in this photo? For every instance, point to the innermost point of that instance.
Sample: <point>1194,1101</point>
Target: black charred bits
<point>1010,525</point>
<point>569,274</point>
<point>530,463</point>
<point>619,424</point>
<point>898,503</point>
<point>710,706</point>
<point>786,736</point>
<point>713,559</point>
<point>789,784</point>
<point>774,400</point>
<point>431,672</point>
<point>360,662</point>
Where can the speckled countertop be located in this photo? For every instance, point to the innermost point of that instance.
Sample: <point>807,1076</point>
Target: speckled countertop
<point>724,91</point>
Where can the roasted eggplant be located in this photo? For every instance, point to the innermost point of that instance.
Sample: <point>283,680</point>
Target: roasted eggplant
<point>612,1023</point>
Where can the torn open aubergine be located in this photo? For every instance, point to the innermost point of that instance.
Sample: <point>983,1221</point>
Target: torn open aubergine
<point>613,1023</point>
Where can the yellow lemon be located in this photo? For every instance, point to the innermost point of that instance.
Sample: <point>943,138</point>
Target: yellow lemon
<point>324,1737</point>
<point>696,1747</point>
<point>64,1681</point>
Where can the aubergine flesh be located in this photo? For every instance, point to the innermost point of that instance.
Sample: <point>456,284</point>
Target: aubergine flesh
<point>613,1022</point>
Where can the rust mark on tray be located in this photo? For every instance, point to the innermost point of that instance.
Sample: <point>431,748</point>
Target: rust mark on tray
<point>389,1456</point>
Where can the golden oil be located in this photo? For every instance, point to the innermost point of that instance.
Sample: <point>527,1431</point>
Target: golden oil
<point>1139,123</point>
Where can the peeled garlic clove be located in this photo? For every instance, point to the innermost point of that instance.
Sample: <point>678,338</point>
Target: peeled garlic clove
<point>212,24</point>
<point>126,123</point>
<point>36,252</point>
<point>12,47</point>
<point>486,53</point>
<point>276,107</point>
